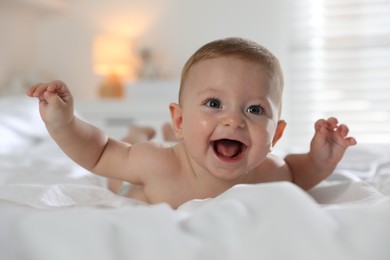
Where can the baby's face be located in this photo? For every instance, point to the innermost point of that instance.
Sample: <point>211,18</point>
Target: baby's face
<point>230,114</point>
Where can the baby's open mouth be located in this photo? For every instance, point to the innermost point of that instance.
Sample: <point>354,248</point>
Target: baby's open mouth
<point>227,149</point>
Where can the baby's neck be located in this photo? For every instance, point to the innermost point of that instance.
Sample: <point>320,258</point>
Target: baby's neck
<point>205,183</point>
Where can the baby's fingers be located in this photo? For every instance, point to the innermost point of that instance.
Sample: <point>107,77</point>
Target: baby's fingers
<point>37,90</point>
<point>325,126</point>
<point>332,123</point>
<point>320,125</point>
<point>350,141</point>
<point>58,87</point>
<point>34,90</point>
<point>30,91</point>
<point>343,131</point>
<point>43,91</point>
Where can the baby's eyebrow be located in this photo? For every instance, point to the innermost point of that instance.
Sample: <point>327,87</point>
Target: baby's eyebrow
<point>209,90</point>
<point>261,99</point>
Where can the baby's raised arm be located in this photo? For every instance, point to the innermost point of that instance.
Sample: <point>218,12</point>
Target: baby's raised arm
<point>327,148</point>
<point>55,103</point>
<point>85,144</point>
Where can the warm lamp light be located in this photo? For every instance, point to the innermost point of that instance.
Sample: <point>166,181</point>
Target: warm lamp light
<point>112,59</point>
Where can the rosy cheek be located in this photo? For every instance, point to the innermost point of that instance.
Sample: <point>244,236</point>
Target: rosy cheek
<point>201,119</point>
<point>263,134</point>
<point>204,123</point>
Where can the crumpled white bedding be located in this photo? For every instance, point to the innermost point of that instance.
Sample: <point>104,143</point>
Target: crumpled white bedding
<point>50,208</point>
<point>272,221</point>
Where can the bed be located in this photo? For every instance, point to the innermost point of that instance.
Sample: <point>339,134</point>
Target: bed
<point>50,208</point>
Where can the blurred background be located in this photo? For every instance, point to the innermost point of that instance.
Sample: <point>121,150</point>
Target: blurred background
<point>335,53</point>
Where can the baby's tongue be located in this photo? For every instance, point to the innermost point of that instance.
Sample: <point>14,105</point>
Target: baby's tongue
<point>227,148</point>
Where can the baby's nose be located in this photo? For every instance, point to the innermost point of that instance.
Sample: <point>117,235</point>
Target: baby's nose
<point>233,119</point>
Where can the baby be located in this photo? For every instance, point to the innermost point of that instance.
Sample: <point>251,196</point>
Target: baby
<point>226,122</point>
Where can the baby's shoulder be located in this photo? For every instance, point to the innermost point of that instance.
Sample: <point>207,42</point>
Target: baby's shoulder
<point>273,168</point>
<point>155,156</point>
<point>151,149</point>
<point>274,160</point>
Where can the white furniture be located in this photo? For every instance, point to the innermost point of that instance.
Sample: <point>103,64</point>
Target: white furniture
<point>145,103</point>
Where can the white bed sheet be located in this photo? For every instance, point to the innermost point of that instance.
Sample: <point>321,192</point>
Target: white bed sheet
<point>50,208</point>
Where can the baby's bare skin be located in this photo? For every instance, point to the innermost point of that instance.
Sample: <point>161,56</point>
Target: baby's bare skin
<point>226,123</point>
<point>140,134</point>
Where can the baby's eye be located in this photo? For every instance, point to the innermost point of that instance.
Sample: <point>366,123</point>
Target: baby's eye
<point>257,110</point>
<point>213,102</point>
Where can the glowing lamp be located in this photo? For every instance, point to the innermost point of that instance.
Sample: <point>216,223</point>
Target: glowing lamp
<point>112,60</point>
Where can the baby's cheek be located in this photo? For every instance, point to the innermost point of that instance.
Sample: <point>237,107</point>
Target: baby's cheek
<point>199,120</point>
<point>196,129</point>
<point>263,138</point>
<point>204,123</point>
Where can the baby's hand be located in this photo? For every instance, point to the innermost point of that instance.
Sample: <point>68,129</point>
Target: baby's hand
<point>55,102</point>
<point>329,142</point>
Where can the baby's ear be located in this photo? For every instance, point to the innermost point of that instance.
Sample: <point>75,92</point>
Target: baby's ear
<point>177,119</point>
<point>279,131</point>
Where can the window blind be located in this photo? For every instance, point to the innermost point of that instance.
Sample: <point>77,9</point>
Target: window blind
<point>340,67</point>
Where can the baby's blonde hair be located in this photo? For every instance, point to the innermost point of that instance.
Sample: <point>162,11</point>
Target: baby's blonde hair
<point>239,47</point>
